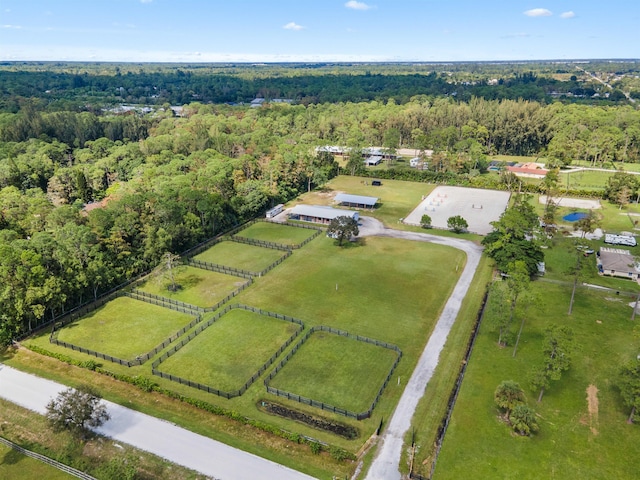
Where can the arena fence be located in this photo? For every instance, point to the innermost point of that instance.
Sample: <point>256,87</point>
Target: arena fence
<point>203,327</point>
<point>322,405</point>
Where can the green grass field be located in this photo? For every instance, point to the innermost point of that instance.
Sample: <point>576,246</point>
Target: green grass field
<point>230,351</point>
<point>273,232</point>
<point>15,466</point>
<point>240,255</point>
<point>573,441</point>
<point>331,369</point>
<point>124,328</point>
<point>198,287</point>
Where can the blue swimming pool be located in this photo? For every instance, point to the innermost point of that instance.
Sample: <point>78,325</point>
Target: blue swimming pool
<point>574,216</point>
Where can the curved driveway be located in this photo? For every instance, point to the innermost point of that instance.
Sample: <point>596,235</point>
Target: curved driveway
<point>386,464</point>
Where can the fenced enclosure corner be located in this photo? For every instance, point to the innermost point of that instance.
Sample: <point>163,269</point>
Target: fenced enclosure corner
<point>203,327</point>
<point>324,406</point>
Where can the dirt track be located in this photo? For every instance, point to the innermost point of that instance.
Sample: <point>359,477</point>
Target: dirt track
<point>386,464</point>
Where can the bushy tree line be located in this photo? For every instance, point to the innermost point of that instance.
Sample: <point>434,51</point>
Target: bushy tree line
<point>324,85</point>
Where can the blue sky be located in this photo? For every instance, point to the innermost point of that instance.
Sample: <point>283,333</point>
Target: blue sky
<point>317,30</point>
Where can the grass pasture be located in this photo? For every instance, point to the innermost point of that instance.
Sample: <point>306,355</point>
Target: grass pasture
<point>240,255</point>
<point>14,466</point>
<point>124,328</point>
<point>331,369</point>
<point>226,354</point>
<point>276,233</point>
<point>576,439</point>
<point>199,287</point>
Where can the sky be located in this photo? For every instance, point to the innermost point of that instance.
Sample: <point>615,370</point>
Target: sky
<point>317,30</point>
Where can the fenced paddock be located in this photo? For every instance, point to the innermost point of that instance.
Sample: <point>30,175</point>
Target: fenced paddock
<point>244,257</point>
<point>198,287</point>
<point>225,355</point>
<point>477,206</point>
<point>124,328</point>
<point>335,371</point>
<point>291,235</point>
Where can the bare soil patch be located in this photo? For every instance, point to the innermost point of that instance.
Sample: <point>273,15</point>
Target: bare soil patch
<point>592,406</point>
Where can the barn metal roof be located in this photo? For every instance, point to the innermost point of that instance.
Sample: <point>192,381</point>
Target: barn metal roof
<point>321,211</point>
<point>356,199</point>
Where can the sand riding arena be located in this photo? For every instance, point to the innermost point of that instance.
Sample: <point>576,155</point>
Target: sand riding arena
<point>478,207</point>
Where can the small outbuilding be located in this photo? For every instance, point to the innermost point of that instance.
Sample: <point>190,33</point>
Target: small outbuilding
<point>320,214</point>
<point>373,160</point>
<point>355,201</point>
<point>617,262</point>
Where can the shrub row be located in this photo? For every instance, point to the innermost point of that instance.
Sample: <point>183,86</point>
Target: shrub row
<point>149,385</point>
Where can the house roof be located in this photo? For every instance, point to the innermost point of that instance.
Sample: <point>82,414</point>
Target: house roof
<point>357,199</point>
<point>618,259</point>
<point>319,211</point>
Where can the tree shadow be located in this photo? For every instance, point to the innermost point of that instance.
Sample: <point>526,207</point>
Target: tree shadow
<point>12,457</point>
<point>347,244</point>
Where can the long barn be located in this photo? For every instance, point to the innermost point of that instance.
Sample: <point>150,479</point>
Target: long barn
<point>319,214</point>
<point>355,201</point>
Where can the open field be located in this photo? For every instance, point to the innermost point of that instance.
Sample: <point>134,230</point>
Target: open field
<point>584,179</point>
<point>272,232</point>
<point>124,328</point>
<point>229,352</point>
<point>573,441</point>
<point>336,370</point>
<point>240,256</point>
<point>197,286</point>
<point>14,465</point>
<point>388,289</point>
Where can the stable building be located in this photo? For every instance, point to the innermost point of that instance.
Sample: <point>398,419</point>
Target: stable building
<point>355,201</point>
<point>617,262</point>
<point>320,214</point>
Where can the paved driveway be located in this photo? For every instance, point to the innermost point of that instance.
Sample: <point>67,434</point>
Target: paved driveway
<point>386,464</point>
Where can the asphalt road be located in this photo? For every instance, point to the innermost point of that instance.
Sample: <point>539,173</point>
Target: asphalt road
<point>386,464</point>
<point>178,445</point>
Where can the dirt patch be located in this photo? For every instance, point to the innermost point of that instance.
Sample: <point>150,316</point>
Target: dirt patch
<point>592,406</point>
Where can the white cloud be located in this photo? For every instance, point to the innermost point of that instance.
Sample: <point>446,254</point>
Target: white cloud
<point>568,14</point>
<point>538,12</point>
<point>14,27</point>
<point>293,26</point>
<point>352,4</point>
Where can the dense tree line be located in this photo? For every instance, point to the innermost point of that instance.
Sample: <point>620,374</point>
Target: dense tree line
<point>182,86</point>
<point>166,183</point>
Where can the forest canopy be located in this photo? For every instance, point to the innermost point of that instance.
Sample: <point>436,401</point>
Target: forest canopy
<point>90,197</point>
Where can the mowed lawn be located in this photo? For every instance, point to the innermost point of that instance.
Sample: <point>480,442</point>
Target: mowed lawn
<point>384,288</point>
<point>396,198</point>
<point>230,351</point>
<point>14,466</point>
<point>574,441</point>
<point>273,232</point>
<point>197,286</point>
<point>337,370</point>
<point>241,256</point>
<point>124,328</point>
